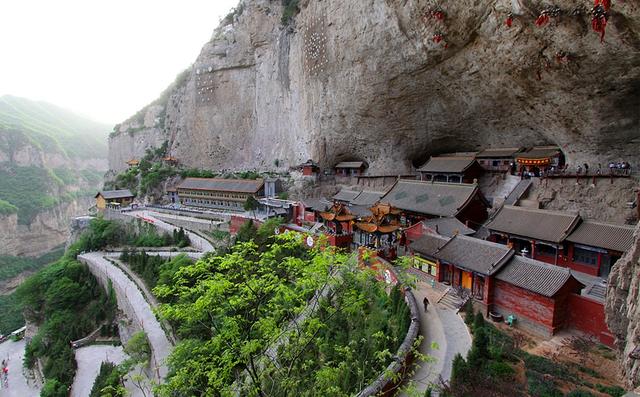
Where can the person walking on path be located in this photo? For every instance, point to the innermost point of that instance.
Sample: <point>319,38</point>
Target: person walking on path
<point>425,302</point>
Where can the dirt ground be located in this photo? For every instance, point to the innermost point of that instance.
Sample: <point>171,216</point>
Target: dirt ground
<point>591,361</point>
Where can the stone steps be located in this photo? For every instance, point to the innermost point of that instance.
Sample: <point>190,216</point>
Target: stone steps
<point>518,192</point>
<point>450,300</point>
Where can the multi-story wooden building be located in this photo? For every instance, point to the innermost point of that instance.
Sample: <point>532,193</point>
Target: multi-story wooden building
<point>226,194</point>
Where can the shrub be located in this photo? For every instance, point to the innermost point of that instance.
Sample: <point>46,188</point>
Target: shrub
<point>468,314</point>
<point>539,386</point>
<point>580,393</point>
<point>500,369</point>
<point>613,391</point>
<point>289,11</point>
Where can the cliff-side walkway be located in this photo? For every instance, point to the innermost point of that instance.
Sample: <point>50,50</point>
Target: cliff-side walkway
<point>445,335</point>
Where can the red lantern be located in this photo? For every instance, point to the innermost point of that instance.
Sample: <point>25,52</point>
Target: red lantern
<point>437,37</point>
<point>509,20</point>
<point>542,19</point>
<point>599,17</point>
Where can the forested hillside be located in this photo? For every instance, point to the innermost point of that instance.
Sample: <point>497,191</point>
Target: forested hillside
<point>51,162</point>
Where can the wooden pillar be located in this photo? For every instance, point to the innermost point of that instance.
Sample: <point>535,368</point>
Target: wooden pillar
<point>599,263</point>
<point>533,249</point>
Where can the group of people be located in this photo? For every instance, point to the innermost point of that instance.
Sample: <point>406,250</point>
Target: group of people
<point>4,376</point>
<point>619,168</point>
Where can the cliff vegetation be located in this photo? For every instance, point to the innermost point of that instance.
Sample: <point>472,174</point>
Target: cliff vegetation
<point>231,310</point>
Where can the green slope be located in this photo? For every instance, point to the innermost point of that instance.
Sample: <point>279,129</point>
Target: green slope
<point>52,128</point>
<point>28,189</point>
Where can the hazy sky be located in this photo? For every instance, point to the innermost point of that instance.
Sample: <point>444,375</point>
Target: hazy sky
<point>102,59</point>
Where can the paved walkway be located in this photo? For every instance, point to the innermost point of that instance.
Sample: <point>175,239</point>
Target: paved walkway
<point>196,241</point>
<point>19,385</point>
<point>445,335</point>
<point>128,291</point>
<point>89,359</point>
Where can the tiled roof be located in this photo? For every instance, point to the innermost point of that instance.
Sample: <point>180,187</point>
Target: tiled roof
<point>225,185</point>
<point>360,210</point>
<point>498,152</point>
<point>447,226</point>
<point>473,254</point>
<point>603,235</point>
<point>346,195</point>
<point>431,198</point>
<point>350,164</point>
<point>115,194</point>
<point>367,197</point>
<point>319,204</point>
<point>539,152</point>
<point>534,275</point>
<point>553,226</point>
<point>447,164</point>
<point>429,244</point>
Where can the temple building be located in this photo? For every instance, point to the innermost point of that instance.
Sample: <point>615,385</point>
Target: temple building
<point>454,169</point>
<point>114,199</point>
<point>133,163</point>
<point>498,159</point>
<point>170,160</point>
<point>350,168</point>
<point>541,297</point>
<point>562,238</point>
<point>225,194</point>
<point>338,221</point>
<point>310,168</point>
<point>378,230</point>
<point>421,200</point>
<point>539,159</point>
<point>448,227</point>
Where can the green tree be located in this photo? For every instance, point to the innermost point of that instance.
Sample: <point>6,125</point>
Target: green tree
<point>53,388</point>
<point>228,310</point>
<point>251,205</point>
<point>246,232</point>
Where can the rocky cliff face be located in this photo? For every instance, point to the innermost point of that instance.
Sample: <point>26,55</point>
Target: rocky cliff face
<point>367,80</point>
<point>623,311</point>
<point>49,229</point>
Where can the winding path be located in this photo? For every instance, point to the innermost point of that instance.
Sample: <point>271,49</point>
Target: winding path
<point>89,359</point>
<point>131,300</point>
<point>445,335</point>
<point>196,241</point>
<point>19,385</point>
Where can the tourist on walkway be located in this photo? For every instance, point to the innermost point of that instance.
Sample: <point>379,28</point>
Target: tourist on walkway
<point>425,302</point>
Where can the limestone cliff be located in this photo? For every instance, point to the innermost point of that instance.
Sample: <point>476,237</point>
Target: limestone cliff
<point>367,80</point>
<point>47,230</point>
<point>623,309</point>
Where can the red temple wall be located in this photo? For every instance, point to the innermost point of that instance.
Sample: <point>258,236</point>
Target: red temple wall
<point>587,315</point>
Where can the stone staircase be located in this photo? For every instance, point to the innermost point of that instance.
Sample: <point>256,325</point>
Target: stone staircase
<point>518,192</point>
<point>450,300</point>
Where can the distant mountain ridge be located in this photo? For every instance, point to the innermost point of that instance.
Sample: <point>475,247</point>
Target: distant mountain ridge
<point>51,162</point>
<point>53,128</point>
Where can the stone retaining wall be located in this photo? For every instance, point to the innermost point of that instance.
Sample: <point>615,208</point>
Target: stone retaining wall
<point>402,359</point>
